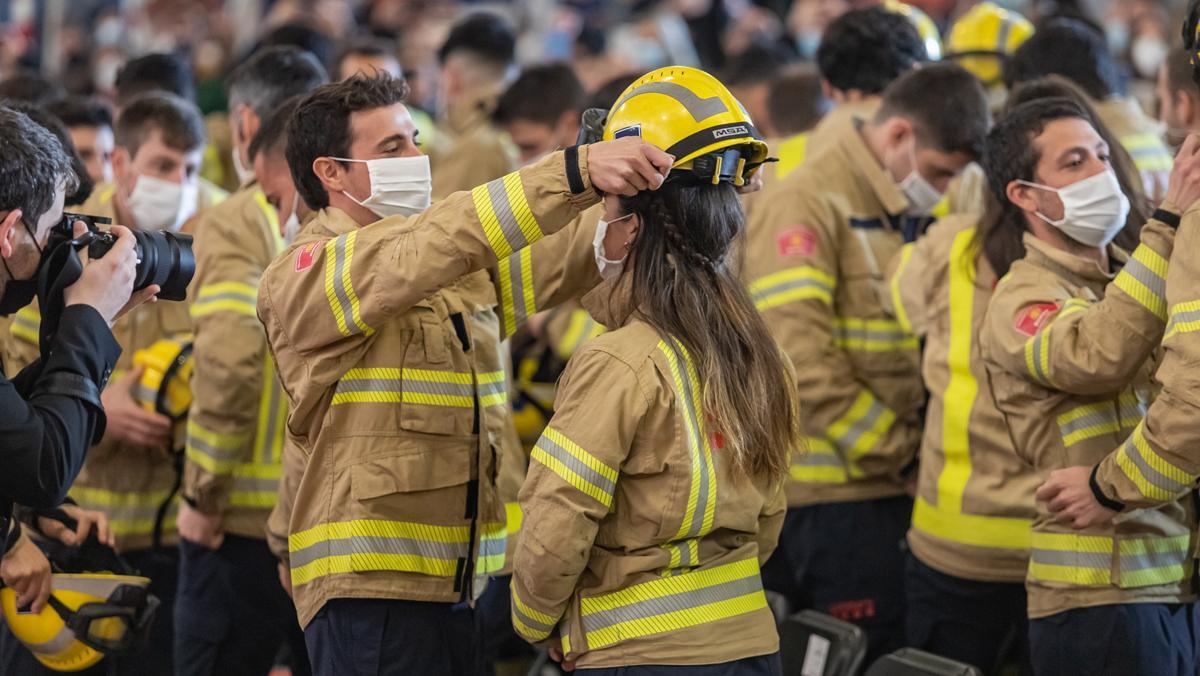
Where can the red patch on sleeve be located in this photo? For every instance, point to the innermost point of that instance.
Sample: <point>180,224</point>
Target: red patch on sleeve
<point>799,240</point>
<point>1033,317</point>
<point>308,255</point>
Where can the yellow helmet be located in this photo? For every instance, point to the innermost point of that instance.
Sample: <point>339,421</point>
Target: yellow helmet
<point>984,37</point>
<point>691,115</point>
<point>925,26</point>
<point>88,615</point>
<point>165,385</point>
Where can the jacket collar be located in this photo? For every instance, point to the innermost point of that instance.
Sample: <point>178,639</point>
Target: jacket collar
<point>862,163</point>
<point>611,302</point>
<point>332,220</point>
<point>1046,255</point>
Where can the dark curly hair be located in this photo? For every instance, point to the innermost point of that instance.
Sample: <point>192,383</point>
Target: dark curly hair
<point>866,49</point>
<point>32,167</point>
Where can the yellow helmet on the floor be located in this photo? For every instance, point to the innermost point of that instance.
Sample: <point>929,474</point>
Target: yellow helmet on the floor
<point>925,26</point>
<point>88,616</point>
<point>165,385</point>
<point>984,37</point>
<point>691,115</point>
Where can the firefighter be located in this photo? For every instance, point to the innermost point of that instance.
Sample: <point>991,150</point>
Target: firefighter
<point>229,613</point>
<point>658,484</point>
<point>396,521</point>
<point>1178,97</point>
<point>817,248</point>
<point>1068,343</point>
<point>982,40</point>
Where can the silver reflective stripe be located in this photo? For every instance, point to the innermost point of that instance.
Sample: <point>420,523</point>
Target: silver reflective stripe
<point>1142,561</point>
<point>504,215</point>
<point>1138,270</point>
<point>254,485</point>
<point>530,622</point>
<point>862,425</point>
<point>889,336</point>
<point>408,385</point>
<point>339,288</point>
<point>685,553</point>
<point>819,460</point>
<point>516,278</point>
<point>489,389</point>
<point>1002,38</point>
<point>216,452</point>
<point>145,394</point>
<point>1094,419</point>
<point>61,641</point>
<point>787,285</point>
<point>1176,318</point>
<point>551,448</point>
<point>370,545</point>
<point>1144,152</point>
<point>1149,472</point>
<point>700,109</point>
<point>227,295</point>
<point>493,546</point>
<point>1056,557</point>
<point>691,407</point>
<point>662,605</point>
<point>1037,357</point>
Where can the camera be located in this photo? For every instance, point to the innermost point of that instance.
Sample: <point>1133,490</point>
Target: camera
<point>164,258</point>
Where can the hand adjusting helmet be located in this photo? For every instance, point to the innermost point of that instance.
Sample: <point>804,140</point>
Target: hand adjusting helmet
<point>689,114</point>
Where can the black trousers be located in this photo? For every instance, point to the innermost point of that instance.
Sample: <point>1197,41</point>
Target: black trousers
<point>152,658</point>
<point>847,560</point>
<point>765,665</point>
<point>231,614</point>
<point>981,623</point>
<point>370,637</point>
<point>1135,639</point>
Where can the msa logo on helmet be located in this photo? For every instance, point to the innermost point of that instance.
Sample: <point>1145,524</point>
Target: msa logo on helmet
<point>726,132</point>
<point>635,130</point>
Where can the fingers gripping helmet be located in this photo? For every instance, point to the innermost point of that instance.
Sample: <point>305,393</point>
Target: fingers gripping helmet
<point>984,37</point>
<point>691,115</point>
<point>88,616</point>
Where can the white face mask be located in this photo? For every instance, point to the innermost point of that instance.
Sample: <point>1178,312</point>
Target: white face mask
<point>400,186</point>
<point>921,194</point>
<point>244,173</point>
<point>608,268</point>
<point>291,227</point>
<point>1094,209</point>
<point>162,205</point>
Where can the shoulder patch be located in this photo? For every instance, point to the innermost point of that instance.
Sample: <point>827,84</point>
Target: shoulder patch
<point>307,255</point>
<point>1033,317</point>
<point>799,240</point>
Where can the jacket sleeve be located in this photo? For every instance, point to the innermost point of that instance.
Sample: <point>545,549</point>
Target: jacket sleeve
<point>229,352</point>
<point>1083,347</point>
<point>794,272</point>
<point>557,269</point>
<point>1160,462</point>
<point>46,428</point>
<point>770,522</point>
<point>321,319</point>
<point>278,524</point>
<point>571,486</point>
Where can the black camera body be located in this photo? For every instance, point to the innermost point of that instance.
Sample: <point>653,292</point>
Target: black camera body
<point>164,258</point>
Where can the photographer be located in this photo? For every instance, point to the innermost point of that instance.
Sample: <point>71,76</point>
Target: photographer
<point>52,408</point>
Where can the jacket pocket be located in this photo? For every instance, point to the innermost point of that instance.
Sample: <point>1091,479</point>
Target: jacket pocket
<point>442,466</point>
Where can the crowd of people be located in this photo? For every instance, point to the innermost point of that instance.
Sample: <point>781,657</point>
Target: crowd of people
<point>615,333</point>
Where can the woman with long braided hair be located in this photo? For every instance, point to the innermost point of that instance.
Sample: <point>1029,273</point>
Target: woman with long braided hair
<point>656,490</point>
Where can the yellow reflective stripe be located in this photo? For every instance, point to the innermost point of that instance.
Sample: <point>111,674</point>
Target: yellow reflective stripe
<point>819,463</point>
<point>1037,355</point>
<point>129,513</point>
<point>858,429</point>
<point>339,288</point>
<point>971,529</point>
<point>872,335</point>
<point>589,474</point>
<point>272,417</point>
<point>791,285</point>
<point>580,329</point>
<point>1148,151</point>
<point>255,486</point>
<point>1071,559</point>
<point>1153,475</point>
<point>492,544</point>
<point>387,385</point>
<point>897,299</point>
<point>272,217</point>
<point>215,452</point>
<point>959,398</point>
<point>1185,318</point>
<point>236,297</point>
<point>503,211</point>
<point>791,154</point>
<point>376,545</point>
<point>517,301</point>
<point>27,325</point>
<point>1151,561</point>
<point>1144,279</point>
<point>513,516</point>
<point>672,603</point>
<point>1088,422</point>
<point>689,400</point>
<point>532,625</point>
<point>493,388</point>
<point>685,555</point>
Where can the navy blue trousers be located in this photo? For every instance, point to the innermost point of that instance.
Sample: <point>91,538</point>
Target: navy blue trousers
<point>766,665</point>
<point>1135,639</point>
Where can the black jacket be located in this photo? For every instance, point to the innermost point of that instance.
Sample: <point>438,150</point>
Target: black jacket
<point>50,413</point>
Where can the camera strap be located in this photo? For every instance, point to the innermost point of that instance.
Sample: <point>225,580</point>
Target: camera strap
<point>60,268</point>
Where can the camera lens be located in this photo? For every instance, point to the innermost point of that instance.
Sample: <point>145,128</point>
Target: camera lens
<point>165,259</point>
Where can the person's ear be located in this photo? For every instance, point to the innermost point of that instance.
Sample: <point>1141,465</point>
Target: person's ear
<point>331,173</point>
<point>8,232</point>
<point>1020,195</point>
<point>1185,104</point>
<point>898,130</point>
<point>121,163</point>
<point>250,122</point>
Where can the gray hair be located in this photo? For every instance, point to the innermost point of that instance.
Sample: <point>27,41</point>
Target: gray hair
<point>273,75</point>
<point>32,167</point>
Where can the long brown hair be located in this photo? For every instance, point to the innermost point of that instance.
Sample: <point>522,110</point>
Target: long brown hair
<point>683,285</point>
<point>1000,232</point>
